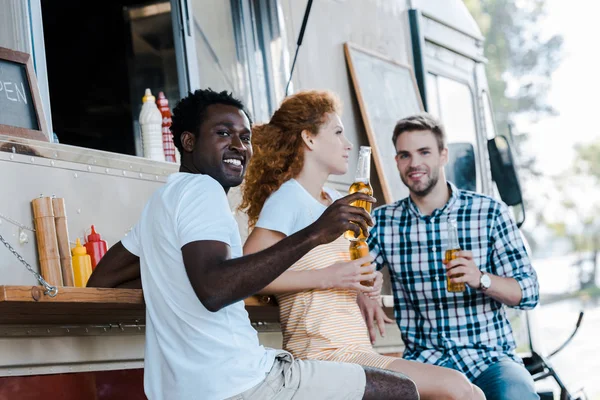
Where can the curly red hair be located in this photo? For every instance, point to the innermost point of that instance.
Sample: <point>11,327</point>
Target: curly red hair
<point>278,146</point>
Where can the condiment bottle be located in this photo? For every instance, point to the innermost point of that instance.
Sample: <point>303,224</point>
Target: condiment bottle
<point>96,247</point>
<point>151,124</point>
<point>167,136</point>
<point>82,265</point>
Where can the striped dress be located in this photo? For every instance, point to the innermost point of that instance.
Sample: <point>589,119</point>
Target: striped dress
<point>326,324</point>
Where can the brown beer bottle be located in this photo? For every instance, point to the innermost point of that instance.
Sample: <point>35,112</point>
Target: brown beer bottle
<point>361,184</point>
<point>359,249</point>
<point>453,248</point>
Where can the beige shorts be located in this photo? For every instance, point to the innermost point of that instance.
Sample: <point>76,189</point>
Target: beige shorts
<point>308,380</point>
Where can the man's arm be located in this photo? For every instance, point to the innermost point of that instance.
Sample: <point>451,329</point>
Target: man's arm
<point>118,268</point>
<point>219,281</point>
<point>505,290</point>
<point>511,261</point>
<point>515,282</point>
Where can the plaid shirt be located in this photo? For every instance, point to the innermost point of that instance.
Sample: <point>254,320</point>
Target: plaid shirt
<point>468,331</point>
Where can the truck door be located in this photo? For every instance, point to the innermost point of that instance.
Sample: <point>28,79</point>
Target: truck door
<point>447,61</point>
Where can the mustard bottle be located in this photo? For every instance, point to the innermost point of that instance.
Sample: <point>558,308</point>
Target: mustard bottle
<point>82,265</point>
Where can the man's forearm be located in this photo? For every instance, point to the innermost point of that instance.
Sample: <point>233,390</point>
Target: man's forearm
<point>115,268</point>
<point>247,275</point>
<point>505,290</point>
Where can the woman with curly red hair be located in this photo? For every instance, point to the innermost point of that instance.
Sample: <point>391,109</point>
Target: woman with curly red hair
<point>294,155</point>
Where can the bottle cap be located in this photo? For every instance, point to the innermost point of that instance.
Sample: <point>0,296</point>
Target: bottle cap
<point>148,96</point>
<point>78,250</point>
<point>94,237</point>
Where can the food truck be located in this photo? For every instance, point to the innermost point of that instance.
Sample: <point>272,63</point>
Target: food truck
<point>78,75</point>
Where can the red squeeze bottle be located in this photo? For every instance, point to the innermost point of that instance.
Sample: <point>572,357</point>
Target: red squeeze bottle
<point>96,247</point>
<point>168,146</point>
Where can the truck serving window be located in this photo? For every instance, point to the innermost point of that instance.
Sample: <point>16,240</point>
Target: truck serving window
<point>452,102</point>
<point>99,64</point>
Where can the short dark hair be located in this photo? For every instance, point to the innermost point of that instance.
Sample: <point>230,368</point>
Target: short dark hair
<point>421,122</point>
<point>190,111</point>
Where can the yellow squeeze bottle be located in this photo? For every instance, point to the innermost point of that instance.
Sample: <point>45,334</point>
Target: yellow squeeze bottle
<point>82,265</point>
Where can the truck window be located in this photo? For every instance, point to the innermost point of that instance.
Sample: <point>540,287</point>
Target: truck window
<point>452,102</point>
<point>96,95</point>
<point>99,65</point>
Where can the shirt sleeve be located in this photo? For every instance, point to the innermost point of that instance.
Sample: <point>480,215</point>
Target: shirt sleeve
<point>375,240</point>
<point>131,241</point>
<point>278,214</point>
<point>203,213</point>
<point>510,259</point>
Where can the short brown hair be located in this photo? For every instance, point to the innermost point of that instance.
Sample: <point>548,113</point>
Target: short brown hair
<point>421,122</point>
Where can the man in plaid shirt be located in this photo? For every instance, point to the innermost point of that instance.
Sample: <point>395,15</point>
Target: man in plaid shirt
<point>468,331</point>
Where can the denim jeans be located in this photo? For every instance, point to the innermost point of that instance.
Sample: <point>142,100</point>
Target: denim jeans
<point>506,380</point>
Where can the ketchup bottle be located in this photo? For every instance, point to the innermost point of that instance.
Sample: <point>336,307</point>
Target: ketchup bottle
<point>167,136</point>
<point>96,247</point>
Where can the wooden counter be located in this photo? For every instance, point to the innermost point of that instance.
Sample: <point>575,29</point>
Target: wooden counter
<point>27,305</point>
<point>72,306</point>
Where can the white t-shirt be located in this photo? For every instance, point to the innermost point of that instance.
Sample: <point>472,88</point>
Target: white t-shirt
<point>291,208</point>
<point>191,353</point>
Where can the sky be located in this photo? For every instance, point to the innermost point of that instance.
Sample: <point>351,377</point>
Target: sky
<point>575,85</point>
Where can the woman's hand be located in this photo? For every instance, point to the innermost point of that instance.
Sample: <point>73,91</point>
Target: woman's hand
<point>374,316</point>
<point>349,274</point>
<point>375,294</point>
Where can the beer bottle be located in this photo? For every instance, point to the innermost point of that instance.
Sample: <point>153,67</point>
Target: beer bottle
<point>452,249</point>
<point>361,184</point>
<point>359,249</point>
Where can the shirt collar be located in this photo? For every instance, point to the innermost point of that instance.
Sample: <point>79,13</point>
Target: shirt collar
<point>454,195</point>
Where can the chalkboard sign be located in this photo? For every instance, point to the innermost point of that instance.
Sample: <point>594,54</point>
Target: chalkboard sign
<point>20,106</point>
<point>386,92</point>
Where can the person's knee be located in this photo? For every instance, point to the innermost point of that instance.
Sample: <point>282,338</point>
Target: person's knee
<point>478,393</point>
<point>410,387</point>
<point>384,384</point>
<point>402,387</point>
<point>458,387</point>
<point>508,380</point>
<point>518,390</point>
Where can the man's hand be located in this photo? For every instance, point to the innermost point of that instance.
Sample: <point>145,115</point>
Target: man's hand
<point>349,274</point>
<point>340,217</point>
<point>372,312</point>
<point>463,269</point>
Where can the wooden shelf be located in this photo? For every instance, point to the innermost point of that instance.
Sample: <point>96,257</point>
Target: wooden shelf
<point>27,305</point>
<point>94,306</point>
<point>72,306</point>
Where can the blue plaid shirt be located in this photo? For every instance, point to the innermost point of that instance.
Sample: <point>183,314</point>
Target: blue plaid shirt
<point>468,331</point>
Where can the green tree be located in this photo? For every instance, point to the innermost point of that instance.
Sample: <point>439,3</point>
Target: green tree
<point>519,57</point>
<point>580,220</point>
<point>586,167</point>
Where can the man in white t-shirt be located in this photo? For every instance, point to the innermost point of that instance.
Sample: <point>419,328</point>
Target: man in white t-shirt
<point>187,250</point>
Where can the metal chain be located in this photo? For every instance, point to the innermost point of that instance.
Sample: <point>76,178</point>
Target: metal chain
<point>12,221</point>
<point>51,291</point>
